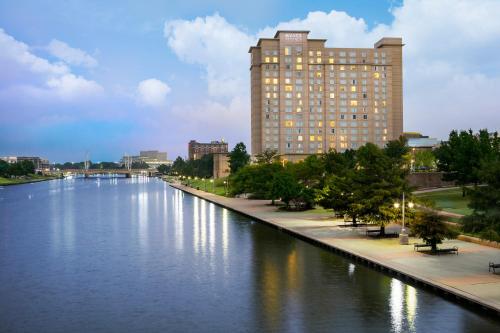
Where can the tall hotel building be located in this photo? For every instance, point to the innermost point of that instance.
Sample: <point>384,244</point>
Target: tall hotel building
<point>307,98</point>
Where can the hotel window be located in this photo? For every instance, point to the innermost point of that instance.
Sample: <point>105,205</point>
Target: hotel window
<point>330,60</point>
<point>275,81</point>
<point>376,75</point>
<point>342,68</point>
<point>332,95</point>
<point>298,67</point>
<point>288,50</point>
<point>312,138</point>
<point>311,53</point>
<point>332,123</point>
<point>318,60</point>
<point>267,59</point>
<point>275,59</point>
<point>353,88</point>
<point>354,103</point>
<point>289,123</point>
<point>288,88</point>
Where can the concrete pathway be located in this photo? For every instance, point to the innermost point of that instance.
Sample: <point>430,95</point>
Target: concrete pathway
<point>465,275</point>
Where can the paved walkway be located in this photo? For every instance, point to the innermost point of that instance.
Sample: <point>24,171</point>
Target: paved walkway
<point>465,275</point>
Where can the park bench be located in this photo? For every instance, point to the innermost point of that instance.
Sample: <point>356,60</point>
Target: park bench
<point>418,246</point>
<point>372,231</point>
<point>492,266</point>
<point>448,250</point>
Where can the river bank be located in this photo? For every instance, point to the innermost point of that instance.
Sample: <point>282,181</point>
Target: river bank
<point>27,180</point>
<point>465,276</point>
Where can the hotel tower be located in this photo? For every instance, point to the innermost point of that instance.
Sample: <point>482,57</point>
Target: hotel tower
<point>307,98</point>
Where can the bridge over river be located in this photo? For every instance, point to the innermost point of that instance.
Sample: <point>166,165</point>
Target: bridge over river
<point>127,172</point>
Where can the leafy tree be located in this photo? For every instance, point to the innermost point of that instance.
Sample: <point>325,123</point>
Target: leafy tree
<point>4,169</point>
<point>460,157</point>
<point>27,167</point>
<point>238,157</point>
<point>179,166</point>
<point>379,180</point>
<point>255,179</point>
<point>424,160</point>
<point>431,227</point>
<point>163,169</point>
<point>268,156</point>
<point>309,172</point>
<point>485,202</point>
<point>284,186</point>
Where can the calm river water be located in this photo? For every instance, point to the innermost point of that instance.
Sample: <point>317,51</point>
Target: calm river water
<point>134,255</point>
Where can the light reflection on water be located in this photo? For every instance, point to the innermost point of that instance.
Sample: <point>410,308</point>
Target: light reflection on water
<point>133,255</point>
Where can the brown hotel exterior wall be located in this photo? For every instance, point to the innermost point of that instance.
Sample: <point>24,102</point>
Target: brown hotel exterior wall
<point>341,83</point>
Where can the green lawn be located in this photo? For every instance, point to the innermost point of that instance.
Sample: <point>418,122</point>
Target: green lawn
<point>205,185</point>
<point>448,200</point>
<point>30,179</point>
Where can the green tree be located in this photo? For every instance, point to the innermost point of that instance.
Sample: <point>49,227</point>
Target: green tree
<point>268,156</point>
<point>238,157</point>
<point>163,169</point>
<point>4,169</point>
<point>431,227</point>
<point>285,187</point>
<point>379,181</point>
<point>460,157</point>
<point>27,167</point>
<point>424,160</point>
<point>179,166</point>
<point>485,202</point>
<point>140,165</point>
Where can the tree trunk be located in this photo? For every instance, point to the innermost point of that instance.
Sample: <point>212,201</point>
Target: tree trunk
<point>354,222</point>
<point>463,191</point>
<point>433,246</point>
<point>272,201</point>
<point>382,230</point>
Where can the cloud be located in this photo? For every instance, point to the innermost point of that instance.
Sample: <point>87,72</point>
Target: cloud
<point>70,55</point>
<point>25,74</point>
<point>450,73</point>
<point>70,86</point>
<point>153,93</point>
<point>218,46</point>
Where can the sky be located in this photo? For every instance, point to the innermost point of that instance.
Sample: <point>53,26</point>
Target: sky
<point>110,78</point>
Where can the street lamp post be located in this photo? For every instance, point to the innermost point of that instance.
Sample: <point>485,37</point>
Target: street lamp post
<point>225,187</point>
<point>213,185</point>
<point>403,236</point>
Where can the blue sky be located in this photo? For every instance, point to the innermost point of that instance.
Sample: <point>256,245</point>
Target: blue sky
<point>115,77</point>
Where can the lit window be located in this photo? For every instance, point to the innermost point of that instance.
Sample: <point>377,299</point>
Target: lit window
<point>267,59</point>
<point>299,109</point>
<point>318,74</point>
<point>275,81</point>
<point>342,68</point>
<point>354,103</point>
<point>319,138</point>
<point>318,60</point>
<point>311,53</point>
<point>268,95</point>
<point>267,80</point>
<point>318,53</point>
<point>332,95</point>
<point>320,124</point>
<point>275,59</point>
<point>353,88</point>
<point>312,138</point>
<point>376,75</point>
<point>299,95</point>
<point>299,138</point>
<point>332,123</point>
<point>298,67</point>
<point>287,50</point>
<point>330,60</point>
<point>288,88</point>
<point>299,60</point>
<point>289,123</point>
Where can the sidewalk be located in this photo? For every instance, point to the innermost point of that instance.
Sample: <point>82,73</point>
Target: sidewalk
<point>464,275</point>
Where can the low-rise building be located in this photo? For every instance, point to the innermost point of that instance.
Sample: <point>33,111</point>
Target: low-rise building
<point>197,150</point>
<point>40,163</point>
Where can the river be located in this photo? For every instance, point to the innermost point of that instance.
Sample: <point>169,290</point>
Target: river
<point>134,255</point>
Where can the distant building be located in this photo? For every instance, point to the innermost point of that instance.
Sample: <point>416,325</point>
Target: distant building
<point>40,163</point>
<point>153,154</point>
<point>417,141</point>
<point>221,165</point>
<point>153,158</point>
<point>197,149</point>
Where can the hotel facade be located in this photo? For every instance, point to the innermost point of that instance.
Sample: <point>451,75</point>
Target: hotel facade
<point>307,98</point>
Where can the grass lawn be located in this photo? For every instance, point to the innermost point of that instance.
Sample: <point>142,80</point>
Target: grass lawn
<point>448,200</point>
<point>205,185</point>
<point>30,179</point>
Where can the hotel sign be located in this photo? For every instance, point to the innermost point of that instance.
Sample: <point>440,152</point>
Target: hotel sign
<point>293,37</point>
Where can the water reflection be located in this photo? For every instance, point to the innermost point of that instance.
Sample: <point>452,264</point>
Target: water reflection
<point>133,255</point>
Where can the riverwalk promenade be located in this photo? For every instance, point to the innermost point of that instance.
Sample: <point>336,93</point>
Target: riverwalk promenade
<point>464,276</point>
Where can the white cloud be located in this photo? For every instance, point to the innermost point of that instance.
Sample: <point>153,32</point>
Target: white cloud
<point>153,93</point>
<point>19,53</point>
<point>24,71</point>
<point>70,86</point>
<point>72,56</point>
<point>221,48</point>
<point>451,71</point>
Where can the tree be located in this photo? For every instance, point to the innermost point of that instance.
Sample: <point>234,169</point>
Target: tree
<point>163,169</point>
<point>268,156</point>
<point>431,227</point>
<point>284,186</point>
<point>238,157</point>
<point>4,169</point>
<point>140,165</point>
<point>460,157</point>
<point>179,166</point>
<point>485,202</point>
<point>424,160</point>
<point>255,179</point>
<point>379,181</point>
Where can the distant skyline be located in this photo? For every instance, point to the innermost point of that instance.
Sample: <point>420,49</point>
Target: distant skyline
<point>122,76</point>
